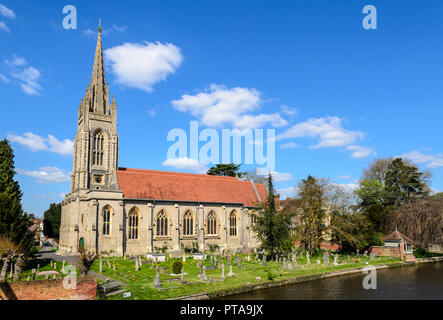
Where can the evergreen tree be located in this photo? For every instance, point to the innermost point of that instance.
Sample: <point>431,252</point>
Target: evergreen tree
<point>403,184</point>
<point>51,222</point>
<point>7,171</point>
<point>14,223</point>
<point>271,226</point>
<point>229,170</point>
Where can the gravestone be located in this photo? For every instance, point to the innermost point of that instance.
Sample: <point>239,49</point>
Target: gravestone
<point>294,259</point>
<point>307,258</point>
<point>182,276</point>
<point>199,265</point>
<point>264,261</point>
<point>335,259</point>
<point>318,262</point>
<point>372,255</point>
<point>365,253</point>
<point>136,265</point>
<point>230,274</point>
<point>55,265</point>
<point>284,263</point>
<point>63,267</point>
<point>108,264</point>
<point>243,264</point>
<point>33,274</point>
<point>223,272</point>
<point>358,252</point>
<point>100,266</point>
<point>326,257</point>
<point>290,267</point>
<point>184,258</point>
<point>203,276</point>
<point>157,283</point>
<point>113,265</point>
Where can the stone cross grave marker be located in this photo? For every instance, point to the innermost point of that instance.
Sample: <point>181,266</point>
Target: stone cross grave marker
<point>223,271</point>
<point>203,276</point>
<point>307,258</point>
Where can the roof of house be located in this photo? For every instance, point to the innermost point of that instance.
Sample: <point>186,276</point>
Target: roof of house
<point>178,186</point>
<point>396,236</point>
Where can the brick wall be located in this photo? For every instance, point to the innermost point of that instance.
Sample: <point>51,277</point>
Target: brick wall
<point>51,289</point>
<point>386,251</point>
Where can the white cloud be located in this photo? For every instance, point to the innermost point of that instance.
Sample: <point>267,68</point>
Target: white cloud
<point>345,177</point>
<point>328,131</point>
<point>47,174</point>
<point>36,143</point>
<point>4,78</point>
<point>3,26</point>
<point>277,176</point>
<point>186,164</point>
<point>6,12</point>
<point>432,161</point>
<point>93,34</point>
<point>289,145</point>
<point>220,106</point>
<point>360,151</point>
<point>287,192</point>
<point>347,186</point>
<point>26,76</point>
<point>151,112</point>
<point>142,65</point>
<point>292,112</point>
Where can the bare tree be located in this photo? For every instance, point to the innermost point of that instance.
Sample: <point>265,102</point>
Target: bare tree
<point>421,220</point>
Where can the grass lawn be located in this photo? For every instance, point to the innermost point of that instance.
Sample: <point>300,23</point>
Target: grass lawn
<point>141,283</point>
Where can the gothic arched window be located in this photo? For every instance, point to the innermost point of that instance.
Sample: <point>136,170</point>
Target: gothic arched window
<point>233,223</point>
<point>162,224</point>
<point>106,220</point>
<point>133,224</point>
<point>98,148</point>
<point>188,224</point>
<point>212,223</point>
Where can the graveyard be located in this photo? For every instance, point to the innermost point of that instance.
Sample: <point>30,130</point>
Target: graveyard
<point>216,275</point>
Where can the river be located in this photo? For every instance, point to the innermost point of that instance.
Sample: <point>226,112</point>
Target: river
<point>423,281</point>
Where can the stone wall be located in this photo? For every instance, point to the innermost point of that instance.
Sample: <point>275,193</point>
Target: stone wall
<point>51,289</point>
<point>386,251</point>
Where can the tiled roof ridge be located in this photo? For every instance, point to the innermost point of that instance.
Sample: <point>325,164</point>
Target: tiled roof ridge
<point>174,173</point>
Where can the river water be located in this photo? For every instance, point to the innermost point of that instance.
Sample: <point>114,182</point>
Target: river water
<point>424,281</point>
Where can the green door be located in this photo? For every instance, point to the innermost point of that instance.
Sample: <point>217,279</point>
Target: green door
<point>81,243</point>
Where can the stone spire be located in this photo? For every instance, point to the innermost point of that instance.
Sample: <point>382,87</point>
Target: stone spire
<point>99,88</point>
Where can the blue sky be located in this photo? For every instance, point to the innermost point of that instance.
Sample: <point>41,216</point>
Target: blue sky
<point>337,95</point>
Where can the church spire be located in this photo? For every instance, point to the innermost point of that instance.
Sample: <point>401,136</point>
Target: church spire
<point>99,98</point>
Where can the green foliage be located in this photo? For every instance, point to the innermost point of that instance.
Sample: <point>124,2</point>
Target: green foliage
<point>269,275</point>
<point>51,222</point>
<point>14,222</point>
<point>312,228</point>
<point>403,183</point>
<point>229,169</point>
<point>419,252</point>
<point>213,247</point>
<point>272,228</point>
<point>177,267</point>
<point>7,171</point>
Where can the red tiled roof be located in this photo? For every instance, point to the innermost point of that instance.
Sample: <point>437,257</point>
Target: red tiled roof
<point>178,186</point>
<point>396,236</point>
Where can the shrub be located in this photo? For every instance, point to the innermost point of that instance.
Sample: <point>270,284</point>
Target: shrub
<point>270,275</point>
<point>177,267</point>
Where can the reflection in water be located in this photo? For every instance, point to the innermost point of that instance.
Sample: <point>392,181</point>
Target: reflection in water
<point>424,281</point>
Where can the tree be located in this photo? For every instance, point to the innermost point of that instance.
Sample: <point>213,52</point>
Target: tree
<point>372,204</point>
<point>312,227</point>
<point>8,252</point>
<point>422,220</point>
<point>7,171</point>
<point>51,222</point>
<point>378,168</point>
<point>14,222</point>
<point>229,170</point>
<point>272,227</point>
<point>85,261</point>
<point>403,183</point>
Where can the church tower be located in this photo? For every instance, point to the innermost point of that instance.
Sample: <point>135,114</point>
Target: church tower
<point>96,143</point>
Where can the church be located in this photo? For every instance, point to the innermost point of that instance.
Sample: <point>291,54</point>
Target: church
<point>122,211</point>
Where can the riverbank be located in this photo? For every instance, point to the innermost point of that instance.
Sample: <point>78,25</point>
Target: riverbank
<point>246,276</point>
<point>300,279</point>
